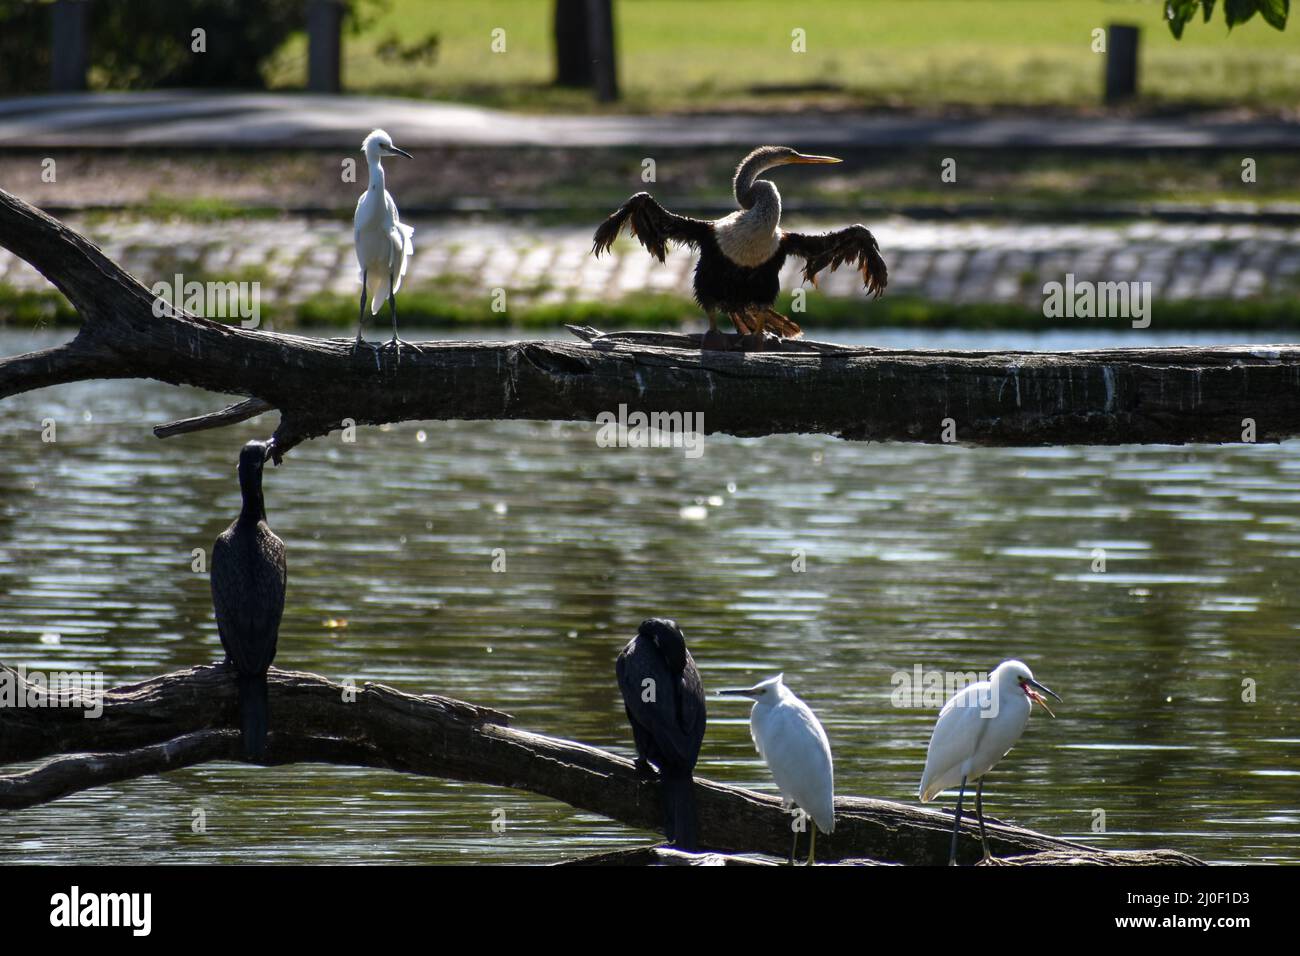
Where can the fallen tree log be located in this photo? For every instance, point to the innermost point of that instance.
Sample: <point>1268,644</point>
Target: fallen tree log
<point>187,717</point>
<point>1110,396</point>
<point>662,855</point>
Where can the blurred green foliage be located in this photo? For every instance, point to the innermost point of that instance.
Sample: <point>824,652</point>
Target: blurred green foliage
<point>24,46</point>
<point>1180,12</point>
<point>144,44</point>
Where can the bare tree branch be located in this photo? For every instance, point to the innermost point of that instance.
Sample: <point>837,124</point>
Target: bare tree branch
<point>238,412</point>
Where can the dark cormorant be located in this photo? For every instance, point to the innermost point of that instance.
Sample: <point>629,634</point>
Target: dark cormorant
<point>248,578</point>
<point>664,700</point>
<point>741,255</point>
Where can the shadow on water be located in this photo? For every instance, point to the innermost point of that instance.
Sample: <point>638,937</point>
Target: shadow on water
<point>945,557</point>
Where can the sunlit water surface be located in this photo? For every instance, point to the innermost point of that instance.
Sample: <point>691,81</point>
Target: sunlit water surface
<point>946,557</point>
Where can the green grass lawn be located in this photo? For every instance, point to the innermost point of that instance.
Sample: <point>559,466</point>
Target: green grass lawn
<point>688,54</point>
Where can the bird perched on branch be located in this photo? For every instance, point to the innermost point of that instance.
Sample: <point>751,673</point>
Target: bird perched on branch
<point>792,741</point>
<point>977,728</point>
<point>741,255</point>
<point>382,240</point>
<point>664,701</point>
<point>248,579</point>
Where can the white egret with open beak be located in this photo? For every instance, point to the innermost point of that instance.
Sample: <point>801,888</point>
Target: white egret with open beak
<point>977,727</point>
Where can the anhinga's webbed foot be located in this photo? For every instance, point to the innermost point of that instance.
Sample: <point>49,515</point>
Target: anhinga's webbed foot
<point>716,341</point>
<point>643,768</point>
<point>760,342</point>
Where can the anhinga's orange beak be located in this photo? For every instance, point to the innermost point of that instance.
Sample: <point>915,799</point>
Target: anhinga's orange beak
<point>806,158</point>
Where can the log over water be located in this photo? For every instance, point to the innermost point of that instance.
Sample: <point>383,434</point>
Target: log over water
<point>1106,396</point>
<point>190,717</point>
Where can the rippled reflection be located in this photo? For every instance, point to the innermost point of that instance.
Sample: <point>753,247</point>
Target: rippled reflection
<point>947,557</point>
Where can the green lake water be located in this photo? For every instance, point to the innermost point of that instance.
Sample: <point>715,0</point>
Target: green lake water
<point>946,557</point>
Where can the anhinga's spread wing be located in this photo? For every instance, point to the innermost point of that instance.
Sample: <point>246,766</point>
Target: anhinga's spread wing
<point>855,244</point>
<point>248,577</point>
<point>652,224</point>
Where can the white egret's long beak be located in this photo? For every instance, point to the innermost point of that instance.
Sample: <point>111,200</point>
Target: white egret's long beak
<point>807,158</point>
<point>400,152</point>
<point>1032,688</point>
<point>738,692</point>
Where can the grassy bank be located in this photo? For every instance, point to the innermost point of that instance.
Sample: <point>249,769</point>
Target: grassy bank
<point>680,54</point>
<point>437,310</point>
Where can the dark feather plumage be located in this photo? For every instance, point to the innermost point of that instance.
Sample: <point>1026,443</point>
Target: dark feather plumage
<point>855,244</point>
<point>652,224</point>
<point>248,578</point>
<point>668,729</point>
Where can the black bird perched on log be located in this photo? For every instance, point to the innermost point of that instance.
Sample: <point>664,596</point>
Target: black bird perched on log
<point>664,700</point>
<point>741,255</point>
<point>248,578</point>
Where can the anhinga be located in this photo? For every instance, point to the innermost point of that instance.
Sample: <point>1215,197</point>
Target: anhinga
<point>741,255</point>
<point>382,240</point>
<point>664,700</point>
<point>248,578</point>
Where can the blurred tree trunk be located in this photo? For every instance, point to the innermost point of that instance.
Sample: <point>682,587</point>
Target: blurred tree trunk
<point>324,46</point>
<point>572,53</point>
<point>69,45</point>
<point>584,46</point>
<point>600,40</point>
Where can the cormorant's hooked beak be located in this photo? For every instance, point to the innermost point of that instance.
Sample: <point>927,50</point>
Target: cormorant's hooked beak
<point>394,151</point>
<point>807,158</point>
<point>1032,690</point>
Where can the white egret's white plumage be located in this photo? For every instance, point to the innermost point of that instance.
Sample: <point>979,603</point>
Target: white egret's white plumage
<point>977,727</point>
<point>383,242</point>
<point>793,743</point>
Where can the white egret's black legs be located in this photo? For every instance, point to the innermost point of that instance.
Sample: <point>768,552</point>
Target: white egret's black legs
<point>979,812</point>
<point>794,847</point>
<point>812,843</point>
<point>395,342</point>
<point>956,826</point>
<point>361,312</point>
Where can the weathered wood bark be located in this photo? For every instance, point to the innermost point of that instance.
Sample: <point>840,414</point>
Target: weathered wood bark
<point>1111,396</point>
<point>661,855</point>
<point>184,718</point>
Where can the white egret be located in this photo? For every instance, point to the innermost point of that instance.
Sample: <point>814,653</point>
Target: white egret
<point>382,240</point>
<point>977,727</point>
<point>791,740</point>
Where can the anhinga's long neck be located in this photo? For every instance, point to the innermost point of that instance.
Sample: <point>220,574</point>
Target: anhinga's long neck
<point>746,173</point>
<point>758,196</point>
